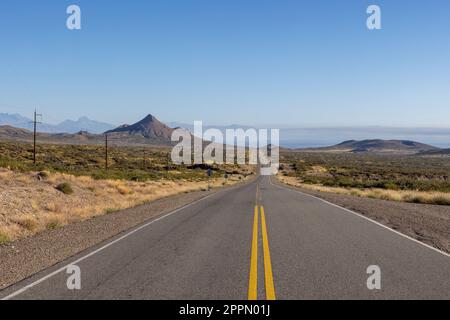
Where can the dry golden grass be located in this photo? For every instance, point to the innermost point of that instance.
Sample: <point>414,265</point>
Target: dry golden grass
<point>437,198</point>
<point>28,222</point>
<point>29,205</point>
<point>8,233</point>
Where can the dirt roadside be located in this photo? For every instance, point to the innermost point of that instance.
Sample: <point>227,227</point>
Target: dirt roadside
<point>24,258</point>
<point>429,224</point>
<point>31,203</point>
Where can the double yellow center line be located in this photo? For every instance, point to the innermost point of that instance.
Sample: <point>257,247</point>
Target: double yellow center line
<point>253,283</point>
<point>268,275</point>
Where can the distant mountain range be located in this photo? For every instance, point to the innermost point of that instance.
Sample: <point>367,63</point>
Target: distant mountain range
<point>291,137</point>
<point>223,129</point>
<point>67,126</point>
<point>148,131</point>
<point>377,146</point>
<point>151,131</point>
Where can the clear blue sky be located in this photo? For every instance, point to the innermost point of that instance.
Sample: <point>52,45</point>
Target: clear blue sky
<point>231,61</point>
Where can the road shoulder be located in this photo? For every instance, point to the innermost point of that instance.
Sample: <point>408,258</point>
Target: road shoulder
<point>425,223</point>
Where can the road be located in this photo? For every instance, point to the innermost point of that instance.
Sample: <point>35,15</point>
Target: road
<point>256,241</point>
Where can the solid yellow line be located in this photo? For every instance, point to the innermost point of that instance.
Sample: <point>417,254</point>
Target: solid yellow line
<point>270,288</point>
<point>253,283</point>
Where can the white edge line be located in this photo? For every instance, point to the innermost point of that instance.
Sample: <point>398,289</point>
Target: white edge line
<point>363,217</point>
<point>31,285</point>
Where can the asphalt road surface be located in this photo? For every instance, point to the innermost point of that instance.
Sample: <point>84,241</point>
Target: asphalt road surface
<point>256,241</point>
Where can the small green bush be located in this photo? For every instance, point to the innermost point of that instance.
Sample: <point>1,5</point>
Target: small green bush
<point>3,238</point>
<point>390,185</point>
<point>346,182</point>
<point>42,175</point>
<point>65,188</point>
<point>53,224</point>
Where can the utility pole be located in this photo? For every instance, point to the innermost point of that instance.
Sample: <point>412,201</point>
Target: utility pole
<point>168,162</point>
<point>106,151</point>
<point>143,160</point>
<point>35,122</point>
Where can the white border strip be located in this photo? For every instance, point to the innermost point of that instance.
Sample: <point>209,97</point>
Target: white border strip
<point>35,283</point>
<point>363,217</point>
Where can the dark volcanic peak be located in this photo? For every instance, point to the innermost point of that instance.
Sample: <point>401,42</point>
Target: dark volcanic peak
<point>149,127</point>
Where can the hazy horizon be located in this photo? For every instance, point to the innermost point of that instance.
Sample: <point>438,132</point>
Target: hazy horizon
<point>304,137</point>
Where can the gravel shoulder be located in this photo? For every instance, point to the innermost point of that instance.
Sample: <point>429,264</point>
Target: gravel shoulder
<point>429,224</point>
<point>24,258</point>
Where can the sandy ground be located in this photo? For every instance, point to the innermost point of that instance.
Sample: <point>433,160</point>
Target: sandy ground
<point>427,223</point>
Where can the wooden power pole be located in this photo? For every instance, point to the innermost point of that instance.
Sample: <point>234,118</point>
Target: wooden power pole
<point>35,122</point>
<point>106,151</point>
<point>143,159</point>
